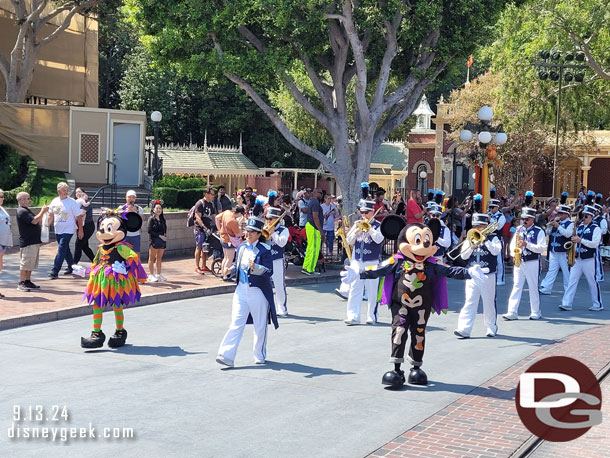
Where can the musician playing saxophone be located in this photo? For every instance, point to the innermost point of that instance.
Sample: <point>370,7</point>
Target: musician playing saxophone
<point>532,242</point>
<point>560,231</point>
<point>367,238</point>
<point>278,238</point>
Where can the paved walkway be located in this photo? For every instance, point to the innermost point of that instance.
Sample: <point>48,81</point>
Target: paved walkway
<point>318,395</point>
<point>62,298</point>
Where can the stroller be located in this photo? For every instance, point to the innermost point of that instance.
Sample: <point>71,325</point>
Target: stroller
<point>213,246</point>
<point>298,248</point>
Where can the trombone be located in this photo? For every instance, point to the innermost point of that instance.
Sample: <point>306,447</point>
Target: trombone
<point>365,223</point>
<point>268,227</point>
<point>475,237</point>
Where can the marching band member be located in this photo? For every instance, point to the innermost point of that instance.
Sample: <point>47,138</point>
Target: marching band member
<point>366,253</point>
<point>496,215</point>
<point>532,242</point>
<point>486,256</point>
<point>444,240</point>
<point>278,238</point>
<point>253,297</point>
<point>603,225</point>
<point>587,240</point>
<point>559,231</point>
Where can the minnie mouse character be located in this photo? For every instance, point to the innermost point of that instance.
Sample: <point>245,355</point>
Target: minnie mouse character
<point>414,284</point>
<point>114,276</point>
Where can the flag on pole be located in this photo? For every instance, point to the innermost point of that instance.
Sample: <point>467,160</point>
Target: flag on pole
<point>470,61</point>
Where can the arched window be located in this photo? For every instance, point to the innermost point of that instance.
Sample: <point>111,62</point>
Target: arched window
<point>422,178</point>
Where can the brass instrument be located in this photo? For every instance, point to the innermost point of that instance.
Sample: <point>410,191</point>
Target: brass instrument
<point>365,224</point>
<point>268,227</point>
<point>517,252</point>
<point>571,248</point>
<point>475,237</point>
<point>341,235</point>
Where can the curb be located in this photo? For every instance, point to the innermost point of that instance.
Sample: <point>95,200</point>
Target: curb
<point>149,299</point>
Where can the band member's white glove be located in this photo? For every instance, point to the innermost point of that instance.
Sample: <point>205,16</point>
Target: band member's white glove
<point>478,274</point>
<point>78,270</point>
<point>349,275</point>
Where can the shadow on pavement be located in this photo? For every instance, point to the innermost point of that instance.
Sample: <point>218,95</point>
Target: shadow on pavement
<point>311,371</point>
<point>148,350</point>
<point>491,392</point>
<point>313,319</point>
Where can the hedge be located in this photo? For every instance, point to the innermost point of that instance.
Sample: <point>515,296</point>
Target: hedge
<point>10,196</point>
<point>169,196</point>
<point>188,197</point>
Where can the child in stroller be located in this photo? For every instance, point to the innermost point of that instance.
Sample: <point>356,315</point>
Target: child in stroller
<point>214,246</point>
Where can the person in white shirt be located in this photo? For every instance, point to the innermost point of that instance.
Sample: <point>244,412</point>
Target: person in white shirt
<point>65,215</point>
<point>133,238</point>
<point>329,215</point>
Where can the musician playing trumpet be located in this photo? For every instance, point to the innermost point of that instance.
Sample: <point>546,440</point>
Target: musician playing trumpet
<point>278,236</point>
<point>529,241</point>
<point>485,254</point>
<point>560,231</point>
<point>366,237</point>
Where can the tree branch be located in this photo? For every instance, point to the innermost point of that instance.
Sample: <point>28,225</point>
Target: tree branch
<point>323,92</point>
<point>76,8</point>
<point>252,39</point>
<point>305,102</point>
<point>591,60</point>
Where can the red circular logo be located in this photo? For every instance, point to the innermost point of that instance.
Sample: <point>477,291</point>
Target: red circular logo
<point>558,399</point>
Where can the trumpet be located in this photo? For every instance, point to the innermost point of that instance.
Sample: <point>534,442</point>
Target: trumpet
<point>475,237</point>
<point>365,224</point>
<point>268,227</point>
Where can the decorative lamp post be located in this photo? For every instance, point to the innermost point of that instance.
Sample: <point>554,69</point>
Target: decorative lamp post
<point>487,137</point>
<point>156,117</point>
<point>422,183</point>
<point>559,66</point>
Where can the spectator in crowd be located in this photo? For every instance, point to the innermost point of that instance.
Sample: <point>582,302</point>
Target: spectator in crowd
<point>330,213</point>
<point>64,215</point>
<point>230,234</point>
<point>286,206</point>
<point>550,212</point>
<point>157,231</point>
<point>249,197</point>
<point>221,201</point>
<point>582,195</point>
<point>398,204</point>
<point>454,216</point>
<point>315,234</point>
<point>133,238</point>
<point>29,240</point>
<point>6,237</point>
<point>381,206</point>
<point>205,213</point>
<point>239,200</point>
<point>303,203</point>
<point>82,245</point>
<point>415,214</point>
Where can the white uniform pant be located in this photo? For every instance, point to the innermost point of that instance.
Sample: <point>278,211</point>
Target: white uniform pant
<point>586,267</point>
<point>246,300</point>
<point>599,275</point>
<point>487,292</point>
<point>279,283</point>
<point>356,290</point>
<point>528,271</point>
<point>556,261</point>
<point>500,263</point>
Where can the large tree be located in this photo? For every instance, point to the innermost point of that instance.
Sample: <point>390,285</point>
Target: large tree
<point>348,49</point>
<point>17,69</point>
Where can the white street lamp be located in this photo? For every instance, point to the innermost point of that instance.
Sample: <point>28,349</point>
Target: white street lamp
<point>423,174</point>
<point>485,113</point>
<point>156,116</point>
<point>485,137</point>
<point>465,135</point>
<point>501,138</point>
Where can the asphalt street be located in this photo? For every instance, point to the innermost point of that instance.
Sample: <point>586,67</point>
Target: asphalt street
<point>318,395</point>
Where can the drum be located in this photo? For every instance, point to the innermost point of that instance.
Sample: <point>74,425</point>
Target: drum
<point>392,225</point>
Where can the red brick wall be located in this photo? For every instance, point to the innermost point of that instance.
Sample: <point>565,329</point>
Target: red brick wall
<point>599,176</point>
<point>416,155</point>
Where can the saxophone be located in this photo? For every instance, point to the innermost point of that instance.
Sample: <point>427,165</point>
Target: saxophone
<point>571,249</point>
<point>342,235</point>
<point>517,252</point>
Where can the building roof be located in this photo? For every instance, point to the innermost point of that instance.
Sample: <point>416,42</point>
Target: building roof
<point>392,153</point>
<point>423,108</point>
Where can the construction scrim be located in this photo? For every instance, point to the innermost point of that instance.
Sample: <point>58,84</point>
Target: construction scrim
<point>67,68</point>
<point>39,132</point>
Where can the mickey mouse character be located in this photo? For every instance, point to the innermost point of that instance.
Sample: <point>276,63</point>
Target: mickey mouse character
<point>414,284</point>
<point>114,275</point>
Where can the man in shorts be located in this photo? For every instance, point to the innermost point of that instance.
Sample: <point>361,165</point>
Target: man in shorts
<point>29,240</point>
<point>205,214</point>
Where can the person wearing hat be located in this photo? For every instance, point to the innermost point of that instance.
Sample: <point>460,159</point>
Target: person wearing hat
<point>366,253</point>
<point>587,240</point>
<point>496,215</point>
<point>560,230</point>
<point>253,297</point>
<point>444,239</point>
<point>278,239</point>
<point>133,238</point>
<point>484,255</point>
<point>532,242</point>
<point>603,225</point>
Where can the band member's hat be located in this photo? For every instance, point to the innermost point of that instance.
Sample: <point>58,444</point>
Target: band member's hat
<point>589,210</point>
<point>527,212</point>
<point>435,208</point>
<point>366,205</point>
<point>274,212</point>
<point>564,209</point>
<point>598,207</point>
<point>493,203</point>
<point>255,224</point>
<point>480,218</point>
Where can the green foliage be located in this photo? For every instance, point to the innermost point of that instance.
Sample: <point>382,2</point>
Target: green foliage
<point>178,182</point>
<point>10,196</point>
<point>187,197</point>
<point>45,186</point>
<point>14,167</point>
<point>169,196</point>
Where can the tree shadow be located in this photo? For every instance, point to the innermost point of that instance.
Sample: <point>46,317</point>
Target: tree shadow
<point>145,350</point>
<point>311,319</point>
<point>26,299</point>
<point>311,371</point>
<point>487,392</point>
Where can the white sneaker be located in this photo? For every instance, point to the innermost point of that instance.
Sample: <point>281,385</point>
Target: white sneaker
<point>224,361</point>
<point>259,361</point>
<point>596,308</point>
<point>152,278</point>
<point>373,322</point>
<point>161,278</point>
<point>491,333</point>
<point>283,315</point>
<point>351,322</point>
<point>510,316</point>
<point>565,307</point>
<point>461,334</point>
<point>546,293</point>
<point>535,316</point>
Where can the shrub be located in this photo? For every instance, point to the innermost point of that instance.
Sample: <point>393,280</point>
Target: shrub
<point>174,181</point>
<point>169,196</point>
<point>10,196</point>
<point>188,197</point>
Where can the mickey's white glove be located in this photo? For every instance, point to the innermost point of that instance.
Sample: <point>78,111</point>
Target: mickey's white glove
<point>349,275</point>
<point>478,274</point>
<point>78,270</point>
<point>119,267</point>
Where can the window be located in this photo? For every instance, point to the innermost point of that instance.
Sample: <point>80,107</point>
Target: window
<point>89,149</point>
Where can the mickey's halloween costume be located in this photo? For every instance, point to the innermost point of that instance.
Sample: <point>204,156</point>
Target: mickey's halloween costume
<point>114,275</point>
<point>414,284</point>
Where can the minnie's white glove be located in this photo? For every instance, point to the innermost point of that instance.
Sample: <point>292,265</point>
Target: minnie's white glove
<point>478,274</point>
<point>119,267</point>
<point>78,270</point>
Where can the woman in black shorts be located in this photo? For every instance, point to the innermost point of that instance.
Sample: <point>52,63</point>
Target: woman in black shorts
<point>157,230</point>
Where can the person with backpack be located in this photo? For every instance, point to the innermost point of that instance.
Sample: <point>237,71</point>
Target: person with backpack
<point>201,217</point>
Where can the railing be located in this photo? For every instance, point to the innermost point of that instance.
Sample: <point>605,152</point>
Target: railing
<point>110,190</point>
